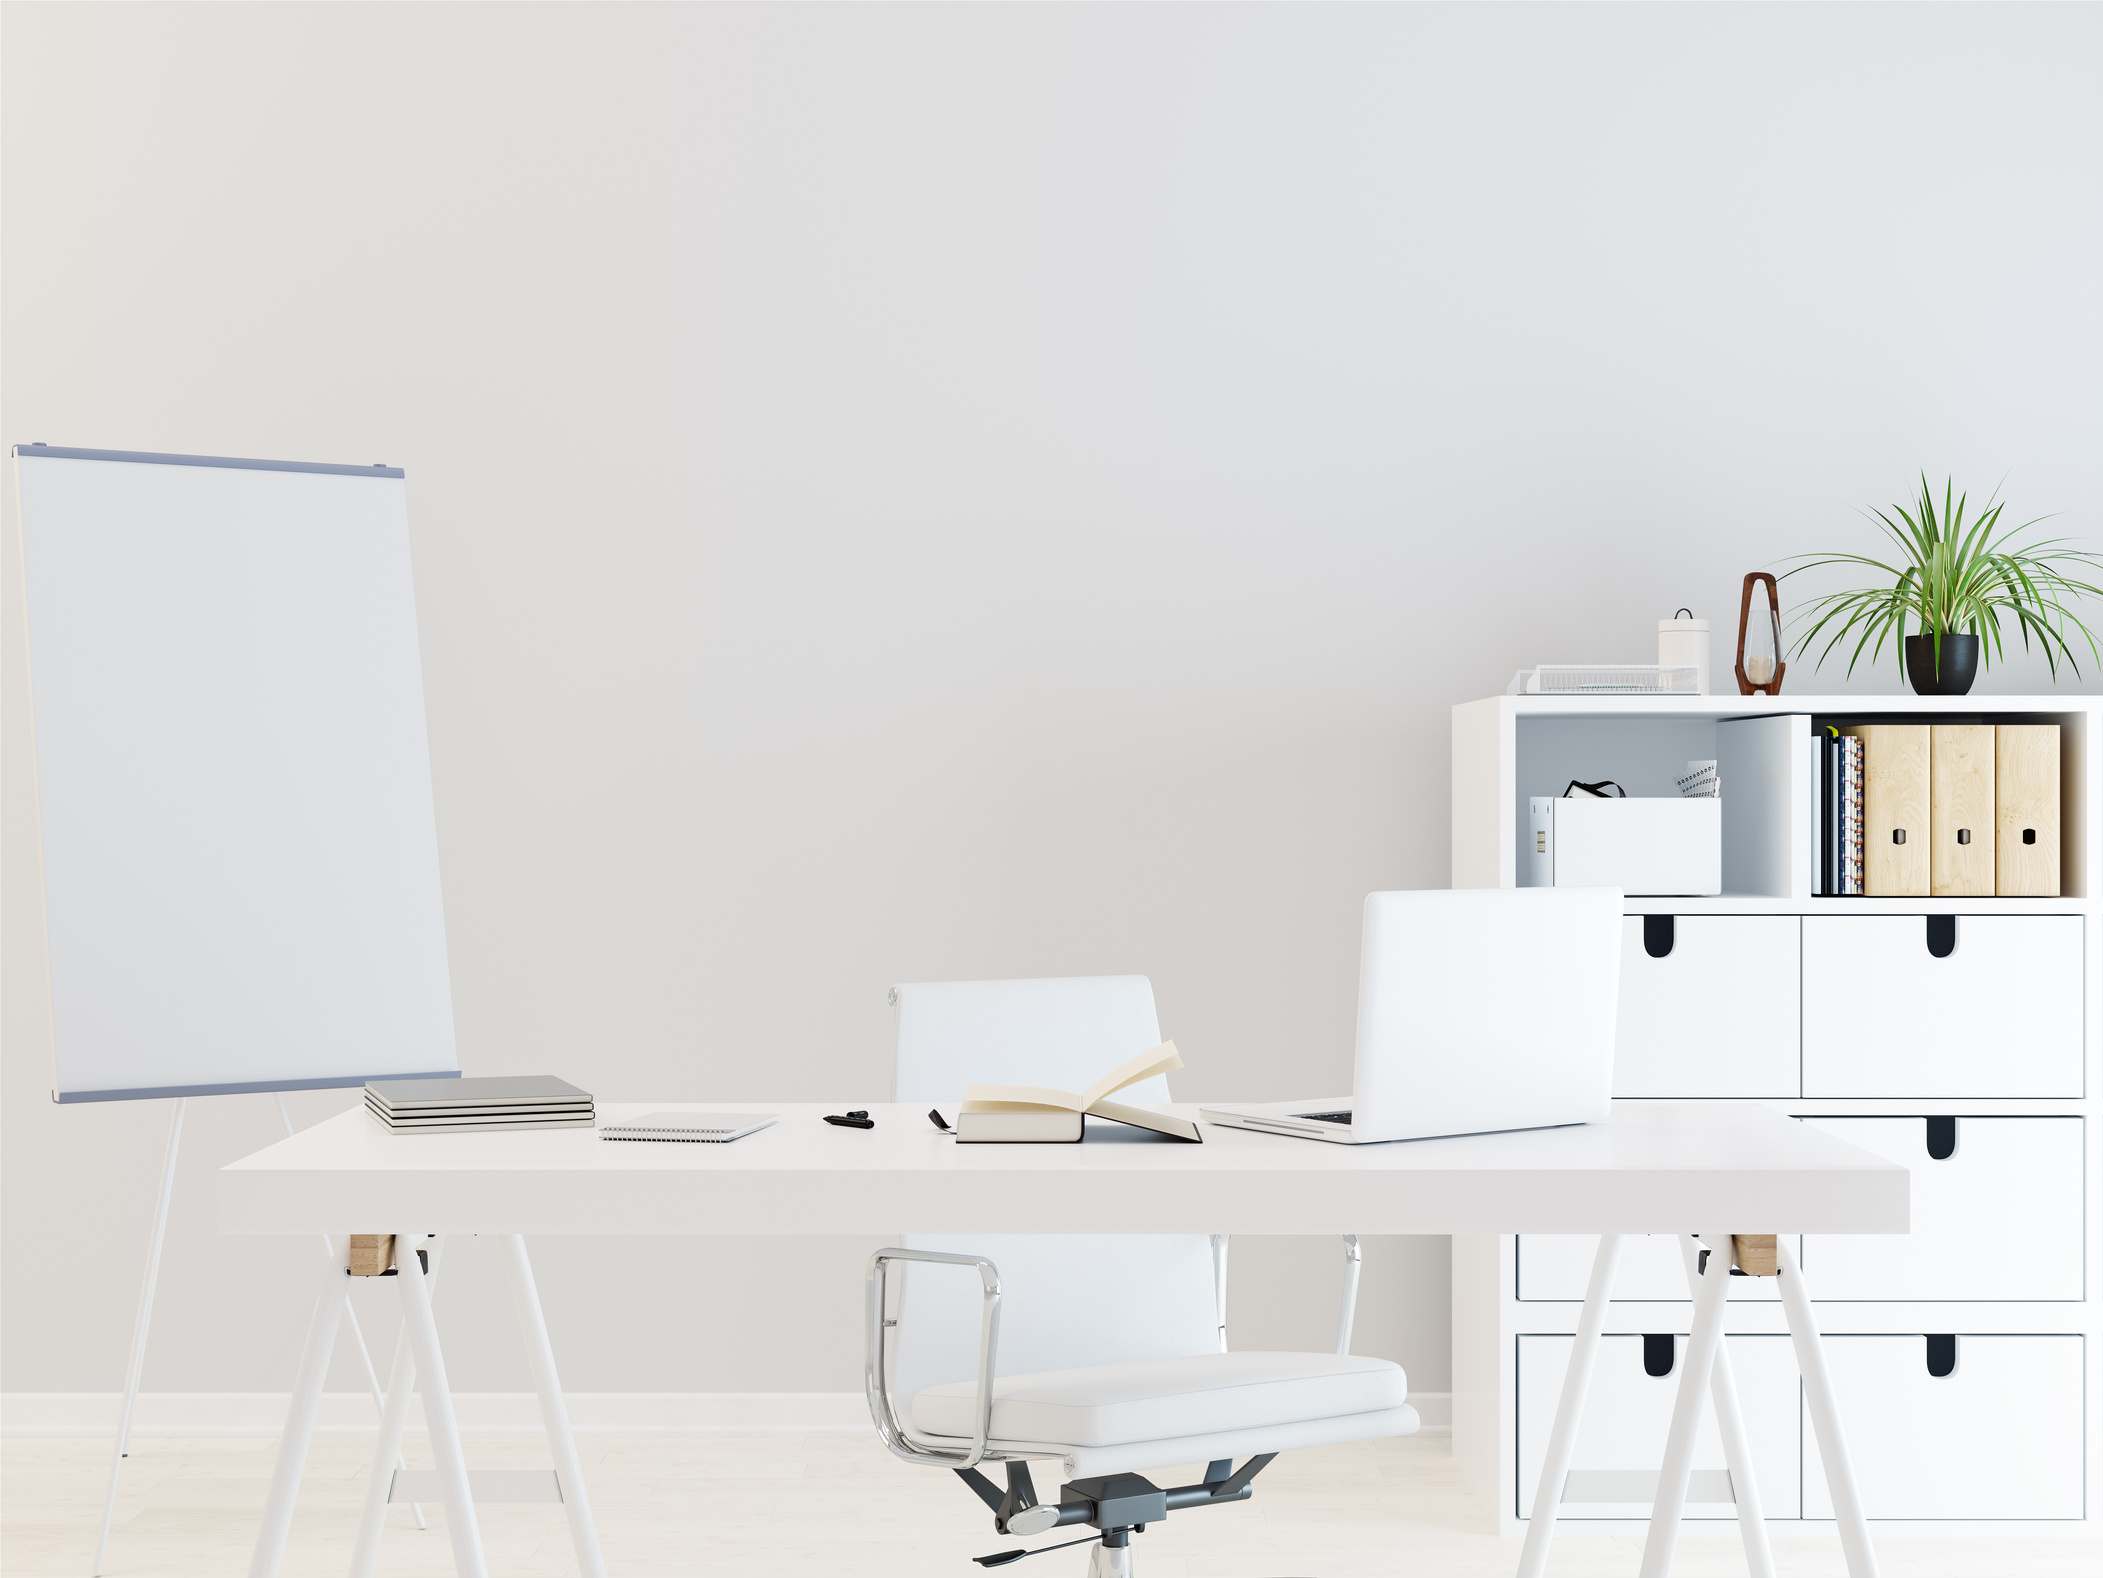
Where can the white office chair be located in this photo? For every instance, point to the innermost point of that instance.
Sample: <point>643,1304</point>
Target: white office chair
<point>1107,1352</point>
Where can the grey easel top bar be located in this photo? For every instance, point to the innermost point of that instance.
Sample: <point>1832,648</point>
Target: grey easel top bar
<point>240,1088</point>
<point>147,458</point>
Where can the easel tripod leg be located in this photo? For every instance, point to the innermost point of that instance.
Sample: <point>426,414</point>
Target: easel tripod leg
<point>1569,1411</point>
<point>137,1366</point>
<point>299,1421</point>
<point>1702,1342</point>
<point>1737,1449</point>
<point>1824,1410</point>
<point>554,1413</point>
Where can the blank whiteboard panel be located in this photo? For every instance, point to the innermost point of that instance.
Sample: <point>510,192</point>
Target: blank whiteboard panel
<point>240,857</point>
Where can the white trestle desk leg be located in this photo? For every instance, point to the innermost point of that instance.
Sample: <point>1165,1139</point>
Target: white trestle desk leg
<point>438,1409</point>
<point>1570,1410</point>
<point>394,1420</point>
<point>554,1413</point>
<point>1730,1424</point>
<point>350,1311</point>
<point>137,1366</point>
<point>372,1379</point>
<point>1702,1342</point>
<point>387,1451</point>
<point>333,1295</point>
<point>1825,1418</point>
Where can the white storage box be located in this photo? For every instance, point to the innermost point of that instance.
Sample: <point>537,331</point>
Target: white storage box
<point>1668,848</point>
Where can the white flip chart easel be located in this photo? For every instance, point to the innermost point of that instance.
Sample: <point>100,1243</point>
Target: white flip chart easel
<point>240,856</point>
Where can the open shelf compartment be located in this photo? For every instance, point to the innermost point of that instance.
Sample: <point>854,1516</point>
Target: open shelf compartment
<point>1764,750</point>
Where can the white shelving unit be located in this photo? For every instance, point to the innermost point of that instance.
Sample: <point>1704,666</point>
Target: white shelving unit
<point>1831,1009</point>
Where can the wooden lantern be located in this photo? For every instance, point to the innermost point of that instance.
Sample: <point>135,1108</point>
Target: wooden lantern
<point>1765,676</point>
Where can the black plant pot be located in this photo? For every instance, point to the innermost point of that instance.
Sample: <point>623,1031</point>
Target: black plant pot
<point>1960,665</point>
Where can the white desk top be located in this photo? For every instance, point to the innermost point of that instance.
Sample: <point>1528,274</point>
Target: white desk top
<point>1651,1169</point>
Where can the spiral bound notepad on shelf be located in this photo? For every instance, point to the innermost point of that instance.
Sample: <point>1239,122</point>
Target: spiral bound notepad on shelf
<point>1699,782</point>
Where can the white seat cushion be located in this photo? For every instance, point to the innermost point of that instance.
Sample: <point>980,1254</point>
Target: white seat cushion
<point>1155,1399</point>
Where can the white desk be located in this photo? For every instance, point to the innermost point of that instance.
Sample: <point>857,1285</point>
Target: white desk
<point>1652,1169</point>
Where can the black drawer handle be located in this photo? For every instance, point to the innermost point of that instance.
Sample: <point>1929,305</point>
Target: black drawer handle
<point>1658,1351</point>
<point>1942,1138</point>
<point>1942,935</point>
<point>1942,1356</point>
<point>1657,935</point>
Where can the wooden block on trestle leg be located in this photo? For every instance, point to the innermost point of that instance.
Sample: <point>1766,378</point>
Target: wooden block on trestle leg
<point>371,1254</point>
<point>1755,1254</point>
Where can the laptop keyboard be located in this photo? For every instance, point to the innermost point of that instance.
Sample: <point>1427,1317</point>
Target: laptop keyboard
<point>1325,1117</point>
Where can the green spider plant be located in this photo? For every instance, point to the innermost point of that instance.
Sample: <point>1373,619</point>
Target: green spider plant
<point>1953,577</point>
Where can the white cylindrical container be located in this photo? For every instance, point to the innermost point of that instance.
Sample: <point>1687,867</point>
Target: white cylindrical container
<point>1684,641</point>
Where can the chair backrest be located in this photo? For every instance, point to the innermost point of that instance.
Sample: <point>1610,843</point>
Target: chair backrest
<point>1063,1033</point>
<point>1066,1300</point>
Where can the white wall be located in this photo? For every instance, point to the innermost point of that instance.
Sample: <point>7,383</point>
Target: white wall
<point>927,493</point>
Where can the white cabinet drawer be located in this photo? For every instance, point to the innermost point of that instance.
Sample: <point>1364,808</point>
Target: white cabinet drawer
<point>1998,1437</point>
<point>1717,1015</point>
<point>1999,1218</point>
<point>1559,1265</point>
<point>1628,1410</point>
<point>2000,1016</point>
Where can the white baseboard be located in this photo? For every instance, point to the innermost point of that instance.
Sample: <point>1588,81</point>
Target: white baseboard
<point>489,1413</point>
<point>480,1413</point>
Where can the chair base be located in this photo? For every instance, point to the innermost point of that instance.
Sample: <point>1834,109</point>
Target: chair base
<point>1121,1505</point>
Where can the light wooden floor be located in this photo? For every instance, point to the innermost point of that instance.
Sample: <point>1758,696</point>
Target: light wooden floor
<point>839,1505</point>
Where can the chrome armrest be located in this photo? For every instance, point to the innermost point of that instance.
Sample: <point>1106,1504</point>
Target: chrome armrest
<point>876,1372</point>
<point>1219,1284</point>
<point>1350,1299</point>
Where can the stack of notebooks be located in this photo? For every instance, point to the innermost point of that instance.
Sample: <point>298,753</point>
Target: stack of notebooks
<point>477,1106</point>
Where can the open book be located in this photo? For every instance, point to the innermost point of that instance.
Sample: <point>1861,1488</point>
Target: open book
<point>1032,1114</point>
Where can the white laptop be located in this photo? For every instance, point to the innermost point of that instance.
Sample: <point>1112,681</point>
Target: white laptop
<point>1479,1009</point>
